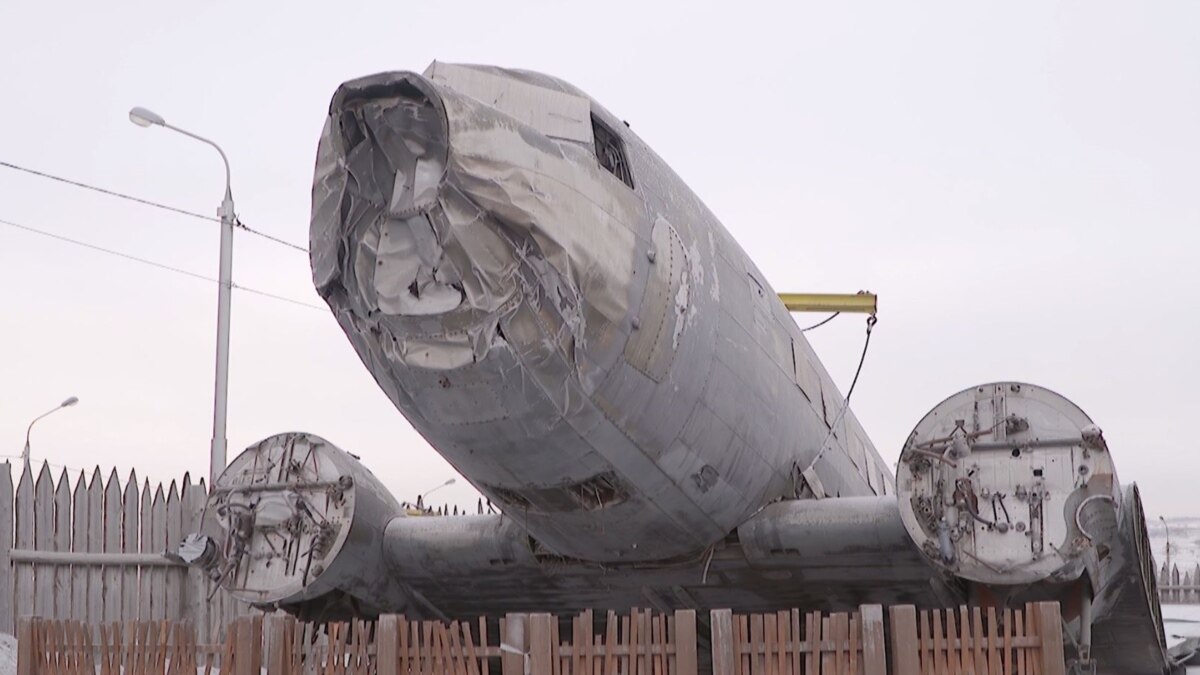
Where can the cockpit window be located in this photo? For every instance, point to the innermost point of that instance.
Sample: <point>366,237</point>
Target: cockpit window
<point>610,152</point>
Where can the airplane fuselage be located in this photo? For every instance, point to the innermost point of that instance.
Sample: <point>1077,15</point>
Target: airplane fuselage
<point>561,317</point>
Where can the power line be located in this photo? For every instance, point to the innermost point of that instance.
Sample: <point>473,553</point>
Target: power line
<point>159,265</point>
<point>146,202</point>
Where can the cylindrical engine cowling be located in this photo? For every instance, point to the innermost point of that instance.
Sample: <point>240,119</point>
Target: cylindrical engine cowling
<point>1006,484</point>
<point>298,523</point>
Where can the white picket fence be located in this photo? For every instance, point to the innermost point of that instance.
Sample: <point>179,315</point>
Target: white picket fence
<point>90,550</point>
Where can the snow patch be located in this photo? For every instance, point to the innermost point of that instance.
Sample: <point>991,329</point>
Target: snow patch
<point>8,654</point>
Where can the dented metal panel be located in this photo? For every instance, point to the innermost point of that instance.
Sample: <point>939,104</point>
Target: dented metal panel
<point>554,113</point>
<point>659,322</point>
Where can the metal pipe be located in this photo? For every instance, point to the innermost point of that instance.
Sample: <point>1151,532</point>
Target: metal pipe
<point>1085,626</point>
<point>67,558</point>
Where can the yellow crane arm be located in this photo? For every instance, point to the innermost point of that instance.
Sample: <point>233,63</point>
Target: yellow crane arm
<point>862,303</point>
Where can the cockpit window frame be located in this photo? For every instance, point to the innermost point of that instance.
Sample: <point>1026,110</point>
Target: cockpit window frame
<point>610,152</point>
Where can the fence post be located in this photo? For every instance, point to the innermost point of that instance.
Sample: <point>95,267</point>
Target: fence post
<point>722,641</point>
<point>685,641</point>
<point>8,610</point>
<point>25,665</point>
<point>540,647</point>
<point>247,657</point>
<point>904,640</point>
<point>387,654</point>
<point>873,649</point>
<point>277,637</point>
<point>514,644</point>
<point>1049,624</point>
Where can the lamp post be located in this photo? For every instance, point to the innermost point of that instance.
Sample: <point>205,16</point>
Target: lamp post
<point>421,497</point>
<point>1168,529</point>
<point>65,404</point>
<point>216,461</point>
<point>449,481</point>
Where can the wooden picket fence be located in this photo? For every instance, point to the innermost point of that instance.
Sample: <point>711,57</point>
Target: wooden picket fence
<point>958,642</point>
<point>642,643</point>
<point>91,550</point>
<point>867,642</point>
<point>1177,589</point>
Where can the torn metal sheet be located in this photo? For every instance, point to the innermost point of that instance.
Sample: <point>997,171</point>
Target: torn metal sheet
<point>560,317</point>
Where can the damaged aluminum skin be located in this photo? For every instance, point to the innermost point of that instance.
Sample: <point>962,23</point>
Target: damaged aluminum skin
<point>563,320</point>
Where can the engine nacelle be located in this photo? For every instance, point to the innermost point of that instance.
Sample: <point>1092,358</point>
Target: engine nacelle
<point>1008,484</point>
<point>297,523</point>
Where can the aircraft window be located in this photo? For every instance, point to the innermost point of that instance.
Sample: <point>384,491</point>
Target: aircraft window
<point>610,152</point>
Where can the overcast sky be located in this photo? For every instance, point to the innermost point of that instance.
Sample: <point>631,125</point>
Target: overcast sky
<point>1018,182</point>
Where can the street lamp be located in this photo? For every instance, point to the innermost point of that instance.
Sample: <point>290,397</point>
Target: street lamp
<point>449,481</point>
<point>421,497</point>
<point>216,462</point>
<point>1168,529</point>
<point>65,404</point>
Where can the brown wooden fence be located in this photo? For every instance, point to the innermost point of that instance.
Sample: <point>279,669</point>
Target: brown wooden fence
<point>901,641</point>
<point>91,549</point>
<point>1028,641</point>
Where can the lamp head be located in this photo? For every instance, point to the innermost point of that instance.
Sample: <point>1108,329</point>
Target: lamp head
<point>144,118</point>
<point>69,402</point>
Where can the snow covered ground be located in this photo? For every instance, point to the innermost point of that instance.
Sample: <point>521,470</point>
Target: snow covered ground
<point>8,654</point>
<point>1179,622</point>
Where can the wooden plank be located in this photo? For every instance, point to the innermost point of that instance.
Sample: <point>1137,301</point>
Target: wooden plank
<point>113,576</point>
<point>146,545</point>
<point>1018,633</point>
<point>685,642</point>
<point>514,641</point>
<point>953,653</point>
<point>388,645</point>
<point>993,631</point>
<point>1053,661</point>
<point>129,544</point>
<point>855,637</point>
<point>175,579</point>
<point>25,646</point>
<point>7,615</point>
<point>1007,659</point>
<point>158,543</point>
<point>611,638</point>
<point>757,659</point>
<point>981,664</point>
<point>95,544</point>
<point>1033,658</point>
<point>784,626</point>
<point>23,586</point>
<point>589,654</point>
<point>904,640</point>
<point>797,641</point>
<point>937,644</point>
<point>966,650</point>
<point>874,658</point>
<point>62,542</point>
<point>43,540</point>
<point>721,621</point>
<point>769,631</point>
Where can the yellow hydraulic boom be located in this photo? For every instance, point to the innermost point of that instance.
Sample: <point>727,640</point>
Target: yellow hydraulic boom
<point>861,303</point>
